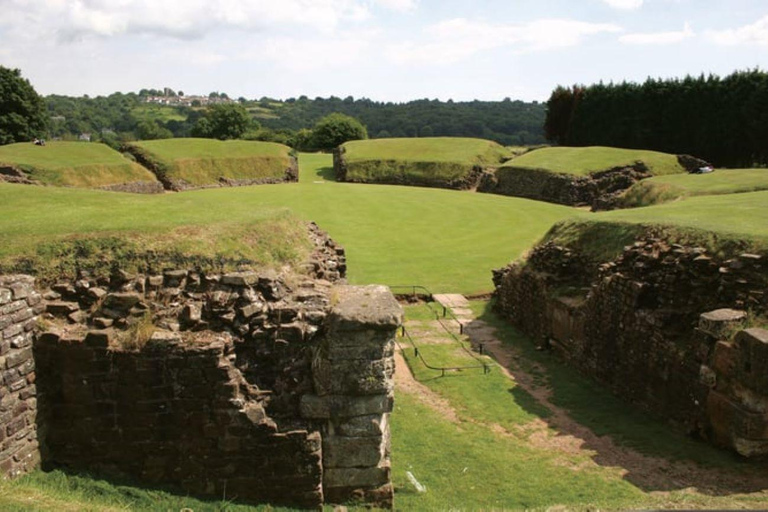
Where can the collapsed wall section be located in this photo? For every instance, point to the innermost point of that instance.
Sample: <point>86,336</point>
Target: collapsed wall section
<point>598,190</point>
<point>664,326</point>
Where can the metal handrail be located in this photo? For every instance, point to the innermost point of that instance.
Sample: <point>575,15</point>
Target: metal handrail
<point>417,352</point>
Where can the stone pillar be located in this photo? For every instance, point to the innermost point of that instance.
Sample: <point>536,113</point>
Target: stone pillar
<point>352,371</point>
<point>19,306</point>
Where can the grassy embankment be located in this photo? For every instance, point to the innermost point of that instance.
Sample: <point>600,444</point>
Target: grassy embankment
<point>664,189</point>
<point>444,239</point>
<point>429,161</point>
<point>201,162</point>
<point>73,164</point>
<point>583,161</point>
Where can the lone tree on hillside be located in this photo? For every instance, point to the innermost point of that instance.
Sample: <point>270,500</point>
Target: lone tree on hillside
<point>224,121</point>
<point>335,129</point>
<point>22,110</point>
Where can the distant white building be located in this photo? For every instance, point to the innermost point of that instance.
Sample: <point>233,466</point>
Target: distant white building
<point>85,137</point>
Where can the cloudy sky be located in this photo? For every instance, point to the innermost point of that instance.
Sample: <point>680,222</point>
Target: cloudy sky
<point>393,50</point>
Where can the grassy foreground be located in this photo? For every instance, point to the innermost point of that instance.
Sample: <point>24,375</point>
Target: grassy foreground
<point>429,161</point>
<point>663,189</point>
<point>200,162</point>
<point>444,239</point>
<point>582,161</point>
<point>73,164</point>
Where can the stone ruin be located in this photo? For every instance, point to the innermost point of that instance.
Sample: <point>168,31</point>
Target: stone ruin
<point>673,329</point>
<point>254,385</point>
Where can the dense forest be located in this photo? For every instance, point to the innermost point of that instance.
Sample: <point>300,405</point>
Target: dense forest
<point>122,116</point>
<point>507,122</point>
<point>723,120</point>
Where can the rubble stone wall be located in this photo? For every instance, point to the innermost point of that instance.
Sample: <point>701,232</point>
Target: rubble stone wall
<point>598,190</point>
<point>20,306</point>
<point>663,326</point>
<point>259,386</point>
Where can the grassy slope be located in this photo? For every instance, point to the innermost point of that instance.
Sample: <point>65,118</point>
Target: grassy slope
<point>662,189</point>
<point>432,149</point>
<point>73,164</point>
<point>423,160</point>
<point>445,239</point>
<point>202,161</point>
<point>582,161</point>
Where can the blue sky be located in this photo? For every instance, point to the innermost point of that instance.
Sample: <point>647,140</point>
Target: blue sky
<point>390,50</point>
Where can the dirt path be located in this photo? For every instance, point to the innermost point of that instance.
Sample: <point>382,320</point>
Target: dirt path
<point>561,433</point>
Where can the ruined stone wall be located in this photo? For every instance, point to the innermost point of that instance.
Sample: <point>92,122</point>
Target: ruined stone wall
<point>597,190</point>
<point>177,412</point>
<point>20,305</point>
<point>655,326</point>
<point>258,386</point>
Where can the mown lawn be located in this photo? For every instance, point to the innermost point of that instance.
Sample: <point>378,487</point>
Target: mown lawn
<point>446,240</point>
<point>582,161</point>
<point>73,164</point>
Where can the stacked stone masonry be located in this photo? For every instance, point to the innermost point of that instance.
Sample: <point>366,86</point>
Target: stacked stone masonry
<point>664,326</point>
<point>260,386</point>
<point>20,306</point>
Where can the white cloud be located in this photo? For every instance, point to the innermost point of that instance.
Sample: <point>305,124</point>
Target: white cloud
<point>302,55</point>
<point>398,5</point>
<point>756,33</point>
<point>186,19</point>
<point>659,38</point>
<point>454,40</point>
<point>625,4</point>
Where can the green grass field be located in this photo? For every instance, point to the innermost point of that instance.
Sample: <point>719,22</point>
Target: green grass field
<point>154,112</point>
<point>430,161</point>
<point>200,162</point>
<point>73,164</point>
<point>663,189</point>
<point>582,161</point>
<point>446,240</point>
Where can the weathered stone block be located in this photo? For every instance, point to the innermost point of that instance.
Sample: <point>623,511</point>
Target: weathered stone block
<point>354,377</point>
<point>331,406</point>
<point>122,301</point>
<point>5,296</point>
<point>357,477</point>
<point>240,279</point>
<point>352,452</point>
<point>373,307</point>
<point>372,425</point>
<point>61,308</point>
<point>721,322</point>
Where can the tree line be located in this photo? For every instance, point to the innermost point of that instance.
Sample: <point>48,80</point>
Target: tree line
<point>723,120</point>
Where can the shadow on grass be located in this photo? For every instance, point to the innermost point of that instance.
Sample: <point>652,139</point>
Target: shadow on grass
<point>97,490</point>
<point>326,173</point>
<point>660,459</point>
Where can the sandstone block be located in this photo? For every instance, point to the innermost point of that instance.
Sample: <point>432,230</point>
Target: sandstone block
<point>61,308</point>
<point>364,307</point>
<point>371,425</point>
<point>122,301</point>
<point>721,322</point>
<point>352,452</point>
<point>240,279</point>
<point>5,296</point>
<point>330,406</point>
<point>356,477</point>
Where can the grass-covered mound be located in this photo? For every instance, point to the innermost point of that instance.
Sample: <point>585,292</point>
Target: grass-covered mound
<point>194,163</point>
<point>71,164</point>
<point>53,232</point>
<point>447,162</point>
<point>590,176</point>
<point>584,161</point>
<point>727,224</point>
<point>663,189</point>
